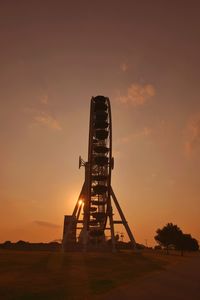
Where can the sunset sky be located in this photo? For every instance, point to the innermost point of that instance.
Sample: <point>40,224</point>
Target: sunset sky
<point>54,56</point>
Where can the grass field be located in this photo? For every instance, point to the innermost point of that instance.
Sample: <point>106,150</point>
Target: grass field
<point>54,275</point>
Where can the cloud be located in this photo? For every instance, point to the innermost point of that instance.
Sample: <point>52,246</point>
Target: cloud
<point>193,135</point>
<point>46,224</point>
<point>42,115</point>
<point>47,120</point>
<point>44,99</point>
<point>146,131</point>
<point>123,67</point>
<point>138,94</point>
<point>116,153</point>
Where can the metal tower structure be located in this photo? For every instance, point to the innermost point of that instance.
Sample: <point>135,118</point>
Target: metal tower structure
<point>93,212</point>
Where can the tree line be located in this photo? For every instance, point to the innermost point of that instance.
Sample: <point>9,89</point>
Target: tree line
<point>168,237</point>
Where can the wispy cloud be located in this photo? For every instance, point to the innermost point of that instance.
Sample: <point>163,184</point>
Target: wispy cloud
<point>138,94</point>
<point>46,224</point>
<point>123,67</point>
<point>146,131</point>
<point>193,135</point>
<point>44,99</point>
<point>116,153</point>
<point>41,114</point>
<point>47,120</point>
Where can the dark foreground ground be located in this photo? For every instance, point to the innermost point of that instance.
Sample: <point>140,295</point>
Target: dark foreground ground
<point>125,275</point>
<point>178,281</point>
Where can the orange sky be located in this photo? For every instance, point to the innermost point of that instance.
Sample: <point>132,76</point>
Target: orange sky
<point>55,55</point>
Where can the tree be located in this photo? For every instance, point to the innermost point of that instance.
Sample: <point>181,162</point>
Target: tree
<point>187,243</point>
<point>172,235</point>
<point>168,235</point>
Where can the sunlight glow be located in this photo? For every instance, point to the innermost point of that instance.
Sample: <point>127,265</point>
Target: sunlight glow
<point>80,202</point>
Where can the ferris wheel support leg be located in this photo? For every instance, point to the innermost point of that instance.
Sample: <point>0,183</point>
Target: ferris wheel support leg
<point>77,203</point>
<point>85,227</point>
<point>84,240</point>
<point>124,222</point>
<point>112,228</point>
<point>73,222</point>
<point>86,216</point>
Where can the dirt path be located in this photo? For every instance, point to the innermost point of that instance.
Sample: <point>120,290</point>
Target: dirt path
<point>178,282</point>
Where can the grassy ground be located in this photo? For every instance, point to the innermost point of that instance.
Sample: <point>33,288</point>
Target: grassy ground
<point>54,275</point>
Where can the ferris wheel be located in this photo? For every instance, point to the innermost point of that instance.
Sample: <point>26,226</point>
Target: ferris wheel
<point>93,212</point>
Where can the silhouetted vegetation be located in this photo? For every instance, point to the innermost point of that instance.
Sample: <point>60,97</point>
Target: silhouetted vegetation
<point>22,245</point>
<point>55,246</point>
<point>172,237</point>
<point>187,243</point>
<point>125,245</point>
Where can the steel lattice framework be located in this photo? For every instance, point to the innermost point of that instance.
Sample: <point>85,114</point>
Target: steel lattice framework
<point>93,212</point>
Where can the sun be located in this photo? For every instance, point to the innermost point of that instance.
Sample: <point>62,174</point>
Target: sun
<point>80,202</point>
